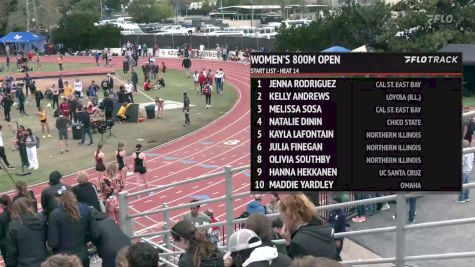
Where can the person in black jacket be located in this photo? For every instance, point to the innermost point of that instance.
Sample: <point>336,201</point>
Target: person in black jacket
<point>107,237</point>
<point>61,84</point>
<point>134,79</point>
<point>245,248</point>
<point>110,82</point>
<point>303,226</point>
<point>337,219</point>
<point>26,235</point>
<point>199,252</point>
<point>85,119</point>
<point>48,196</point>
<point>108,105</point>
<point>122,96</point>
<point>186,109</point>
<point>22,191</point>
<point>69,227</point>
<point>5,217</point>
<point>187,65</point>
<point>86,192</point>
<point>7,103</point>
<point>125,66</point>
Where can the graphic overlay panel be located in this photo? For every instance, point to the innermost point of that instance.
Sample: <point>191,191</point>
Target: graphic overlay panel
<point>356,121</point>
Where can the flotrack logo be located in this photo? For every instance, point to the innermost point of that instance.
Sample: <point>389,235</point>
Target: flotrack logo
<point>431,59</point>
<point>440,18</point>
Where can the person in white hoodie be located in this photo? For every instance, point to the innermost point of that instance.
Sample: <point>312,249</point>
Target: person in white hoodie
<point>219,79</point>
<point>245,249</point>
<point>78,88</point>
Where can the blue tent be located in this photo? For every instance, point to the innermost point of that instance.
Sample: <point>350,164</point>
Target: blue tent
<point>336,49</point>
<point>25,41</point>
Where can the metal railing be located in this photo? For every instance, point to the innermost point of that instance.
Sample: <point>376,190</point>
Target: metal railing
<point>401,228</point>
<point>168,256</point>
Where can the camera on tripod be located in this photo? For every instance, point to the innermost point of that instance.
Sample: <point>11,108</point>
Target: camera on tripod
<point>102,129</point>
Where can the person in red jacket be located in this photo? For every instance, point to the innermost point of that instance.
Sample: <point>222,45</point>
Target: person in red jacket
<point>65,107</point>
<point>202,80</point>
<point>147,86</point>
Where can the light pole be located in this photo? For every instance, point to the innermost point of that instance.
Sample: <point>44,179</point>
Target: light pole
<point>222,10</point>
<point>102,16</point>
<point>303,9</point>
<point>27,3</point>
<point>176,11</point>
<point>252,12</point>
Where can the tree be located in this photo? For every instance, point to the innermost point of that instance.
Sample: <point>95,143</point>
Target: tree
<point>207,7</point>
<point>352,26</point>
<point>147,11</point>
<point>414,30</point>
<point>77,31</point>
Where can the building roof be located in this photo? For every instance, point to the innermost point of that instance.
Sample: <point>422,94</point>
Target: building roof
<point>467,50</point>
<point>264,7</point>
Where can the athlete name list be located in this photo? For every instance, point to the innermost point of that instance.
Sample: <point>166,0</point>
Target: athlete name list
<point>343,131</point>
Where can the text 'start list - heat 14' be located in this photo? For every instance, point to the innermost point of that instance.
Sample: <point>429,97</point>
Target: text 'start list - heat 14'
<point>356,121</point>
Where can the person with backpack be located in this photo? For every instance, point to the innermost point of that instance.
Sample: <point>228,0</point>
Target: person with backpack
<point>207,89</point>
<point>32,143</point>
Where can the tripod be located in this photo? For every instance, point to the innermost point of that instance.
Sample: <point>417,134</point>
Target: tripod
<point>4,167</point>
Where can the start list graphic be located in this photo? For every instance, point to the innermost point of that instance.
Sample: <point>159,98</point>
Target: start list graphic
<point>356,121</point>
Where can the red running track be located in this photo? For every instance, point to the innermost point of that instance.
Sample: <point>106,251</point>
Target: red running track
<point>199,153</point>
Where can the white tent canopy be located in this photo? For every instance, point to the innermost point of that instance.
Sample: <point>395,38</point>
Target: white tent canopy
<point>364,49</point>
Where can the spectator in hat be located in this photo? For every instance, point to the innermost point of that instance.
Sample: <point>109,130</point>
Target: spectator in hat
<point>199,251</point>
<point>256,205</point>
<point>48,195</point>
<point>245,248</point>
<point>142,254</point>
<point>305,232</point>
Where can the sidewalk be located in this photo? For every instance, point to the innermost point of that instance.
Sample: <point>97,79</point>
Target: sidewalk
<point>353,251</point>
